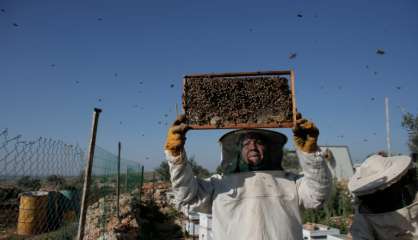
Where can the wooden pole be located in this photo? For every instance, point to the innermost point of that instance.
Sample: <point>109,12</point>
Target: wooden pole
<point>292,85</point>
<point>141,182</point>
<point>87,175</point>
<point>118,183</point>
<point>387,126</point>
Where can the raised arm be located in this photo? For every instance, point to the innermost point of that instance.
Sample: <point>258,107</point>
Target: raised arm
<point>314,186</point>
<point>189,190</point>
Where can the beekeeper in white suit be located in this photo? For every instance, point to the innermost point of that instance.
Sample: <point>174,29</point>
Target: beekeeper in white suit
<point>386,195</point>
<point>255,198</point>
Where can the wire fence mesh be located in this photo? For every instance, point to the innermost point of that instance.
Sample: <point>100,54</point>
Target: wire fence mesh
<point>102,204</point>
<point>41,185</point>
<point>39,182</point>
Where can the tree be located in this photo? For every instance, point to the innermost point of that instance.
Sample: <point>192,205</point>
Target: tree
<point>290,161</point>
<point>199,171</point>
<point>55,180</point>
<point>163,171</point>
<point>410,123</point>
<point>28,182</point>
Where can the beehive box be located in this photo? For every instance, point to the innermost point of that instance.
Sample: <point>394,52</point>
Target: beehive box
<point>240,100</point>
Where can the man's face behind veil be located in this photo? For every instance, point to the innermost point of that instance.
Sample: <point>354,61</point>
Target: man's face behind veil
<point>253,150</point>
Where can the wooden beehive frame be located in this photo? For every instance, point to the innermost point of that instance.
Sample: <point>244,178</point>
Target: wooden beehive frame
<point>283,124</point>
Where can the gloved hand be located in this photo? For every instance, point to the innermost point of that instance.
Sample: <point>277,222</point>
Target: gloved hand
<point>176,136</point>
<point>305,135</point>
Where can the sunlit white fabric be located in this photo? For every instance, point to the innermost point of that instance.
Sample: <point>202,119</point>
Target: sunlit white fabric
<point>253,205</point>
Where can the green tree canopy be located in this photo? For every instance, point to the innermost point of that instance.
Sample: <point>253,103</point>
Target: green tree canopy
<point>55,180</point>
<point>28,182</point>
<point>410,123</point>
<point>199,171</point>
<point>290,161</point>
<point>163,171</point>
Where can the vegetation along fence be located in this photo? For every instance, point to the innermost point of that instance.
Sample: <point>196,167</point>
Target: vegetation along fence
<point>41,185</point>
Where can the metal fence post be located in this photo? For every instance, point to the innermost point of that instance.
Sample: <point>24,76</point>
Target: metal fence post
<point>87,175</point>
<point>118,183</point>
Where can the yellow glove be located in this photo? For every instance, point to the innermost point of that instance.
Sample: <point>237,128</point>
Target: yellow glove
<point>176,136</point>
<point>305,135</point>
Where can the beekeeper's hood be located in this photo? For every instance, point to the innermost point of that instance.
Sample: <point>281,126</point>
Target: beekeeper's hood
<point>231,145</point>
<point>377,173</point>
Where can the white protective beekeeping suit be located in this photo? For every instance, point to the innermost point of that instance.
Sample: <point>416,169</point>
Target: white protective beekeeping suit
<point>253,204</point>
<point>380,214</point>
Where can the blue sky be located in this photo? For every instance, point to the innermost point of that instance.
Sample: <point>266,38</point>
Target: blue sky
<point>60,59</point>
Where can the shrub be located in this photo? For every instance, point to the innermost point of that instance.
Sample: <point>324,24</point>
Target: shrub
<point>28,182</point>
<point>336,210</point>
<point>55,180</point>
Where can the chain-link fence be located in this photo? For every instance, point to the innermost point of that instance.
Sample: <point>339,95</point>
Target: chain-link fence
<point>102,213</point>
<point>41,184</point>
